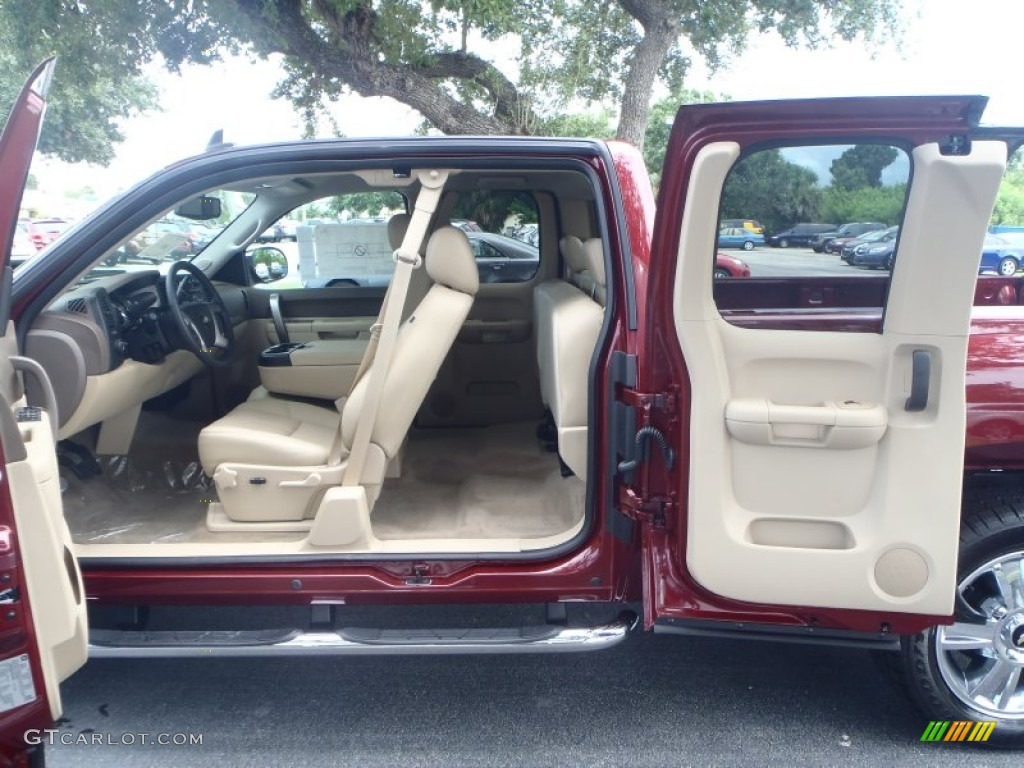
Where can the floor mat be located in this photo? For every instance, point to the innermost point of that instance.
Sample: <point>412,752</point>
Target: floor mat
<point>158,493</point>
<point>492,482</point>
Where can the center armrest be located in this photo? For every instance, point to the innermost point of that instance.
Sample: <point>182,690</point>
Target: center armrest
<point>323,369</point>
<point>329,352</point>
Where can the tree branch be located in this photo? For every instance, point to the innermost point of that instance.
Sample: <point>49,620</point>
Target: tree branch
<point>660,32</point>
<point>509,105</point>
<point>350,58</point>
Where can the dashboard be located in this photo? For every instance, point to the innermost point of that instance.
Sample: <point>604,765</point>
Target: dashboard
<point>116,318</point>
<point>111,343</point>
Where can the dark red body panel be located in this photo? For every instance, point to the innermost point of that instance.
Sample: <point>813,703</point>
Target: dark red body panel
<point>669,589</point>
<point>607,568</point>
<point>17,146</point>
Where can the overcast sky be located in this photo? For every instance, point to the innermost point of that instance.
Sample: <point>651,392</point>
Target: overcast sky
<point>949,47</point>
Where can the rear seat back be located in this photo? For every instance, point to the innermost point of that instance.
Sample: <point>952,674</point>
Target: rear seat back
<point>568,323</point>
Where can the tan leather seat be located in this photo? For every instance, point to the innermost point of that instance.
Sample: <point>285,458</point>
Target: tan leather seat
<point>591,279</point>
<point>277,432</point>
<point>419,282</point>
<point>270,430</point>
<point>568,323</point>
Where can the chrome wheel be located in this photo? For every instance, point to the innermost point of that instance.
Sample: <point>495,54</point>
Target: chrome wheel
<point>981,656</point>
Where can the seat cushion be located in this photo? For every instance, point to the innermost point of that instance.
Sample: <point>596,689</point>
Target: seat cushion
<point>272,431</point>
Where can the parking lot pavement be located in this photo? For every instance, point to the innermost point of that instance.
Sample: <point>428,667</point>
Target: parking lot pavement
<point>654,701</point>
<point>797,262</point>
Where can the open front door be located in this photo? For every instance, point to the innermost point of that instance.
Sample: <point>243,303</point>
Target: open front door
<point>43,634</point>
<point>819,412</point>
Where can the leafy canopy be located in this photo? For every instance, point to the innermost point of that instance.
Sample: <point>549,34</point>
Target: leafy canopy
<point>439,57</point>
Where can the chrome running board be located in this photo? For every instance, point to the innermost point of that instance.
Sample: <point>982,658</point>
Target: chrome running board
<point>107,644</point>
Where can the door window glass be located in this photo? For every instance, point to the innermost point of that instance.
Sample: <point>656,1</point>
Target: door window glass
<point>831,216</point>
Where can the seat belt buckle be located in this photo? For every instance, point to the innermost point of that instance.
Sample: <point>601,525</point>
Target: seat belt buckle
<point>375,330</point>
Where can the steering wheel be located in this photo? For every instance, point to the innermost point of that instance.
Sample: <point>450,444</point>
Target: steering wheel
<point>200,315</point>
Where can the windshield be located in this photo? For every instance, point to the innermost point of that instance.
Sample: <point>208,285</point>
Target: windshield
<point>170,238</point>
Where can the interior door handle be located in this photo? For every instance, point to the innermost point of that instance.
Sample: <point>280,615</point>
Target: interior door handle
<point>35,370</point>
<point>920,380</point>
<point>841,425</point>
<point>275,313</point>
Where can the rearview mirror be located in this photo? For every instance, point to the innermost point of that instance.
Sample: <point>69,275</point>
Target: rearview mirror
<point>202,208</point>
<point>268,264</point>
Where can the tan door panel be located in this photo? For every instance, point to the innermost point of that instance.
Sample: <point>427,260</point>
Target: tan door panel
<point>812,481</point>
<point>52,578</point>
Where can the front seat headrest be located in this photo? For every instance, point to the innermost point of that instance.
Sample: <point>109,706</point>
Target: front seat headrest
<point>450,260</point>
<point>572,252</point>
<point>593,253</point>
<point>397,225</point>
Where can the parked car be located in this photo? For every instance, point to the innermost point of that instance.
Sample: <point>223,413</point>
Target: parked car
<point>273,233</point>
<point>826,240</point>
<point>875,249</point>
<point>737,237</point>
<point>999,256</point>
<point>729,266</point>
<point>42,232</point>
<point>22,248</point>
<point>528,233</point>
<point>735,467</point>
<point>799,235</point>
<point>466,225</point>
<point>752,225</point>
<point>503,259</point>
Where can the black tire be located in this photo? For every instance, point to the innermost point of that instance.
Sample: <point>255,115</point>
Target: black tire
<point>748,245</point>
<point>819,248</point>
<point>721,274</point>
<point>783,243</point>
<point>992,527</point>
<point>1008,266</point>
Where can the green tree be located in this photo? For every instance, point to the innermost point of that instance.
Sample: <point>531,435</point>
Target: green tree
<point>862,166</point>
<point>767,187</point>
<point>1009,208</point>
<point>369,203</point>
<point>434,55</point>
<point>94,87</point>
<point>883,204</point>
<point>491,210</point>
<point>659,126</point>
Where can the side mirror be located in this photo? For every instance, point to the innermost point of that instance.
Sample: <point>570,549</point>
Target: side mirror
<point>267,264</point>
<point>202,208</point>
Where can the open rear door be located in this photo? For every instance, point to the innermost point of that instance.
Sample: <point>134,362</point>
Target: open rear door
<point>819,421</point>
<point>43,634</point>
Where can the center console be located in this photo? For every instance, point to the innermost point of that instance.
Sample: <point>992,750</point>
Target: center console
<point>323,369</point>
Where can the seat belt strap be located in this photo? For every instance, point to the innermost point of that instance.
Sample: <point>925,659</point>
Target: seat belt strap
<point>407,259</point>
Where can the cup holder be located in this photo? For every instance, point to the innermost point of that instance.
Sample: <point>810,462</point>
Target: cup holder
<point>283,349</point>
<point>280,354</point>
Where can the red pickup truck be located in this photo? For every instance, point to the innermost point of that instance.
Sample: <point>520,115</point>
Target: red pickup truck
<point>610,430</point>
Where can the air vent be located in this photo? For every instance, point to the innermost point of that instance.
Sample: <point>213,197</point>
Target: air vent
<point>77,305</point>
<point>107,310</point>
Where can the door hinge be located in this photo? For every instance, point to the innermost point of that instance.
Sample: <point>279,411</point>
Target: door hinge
<point>635,449</point>
<point>639,508</point>
<point>646,402</point>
